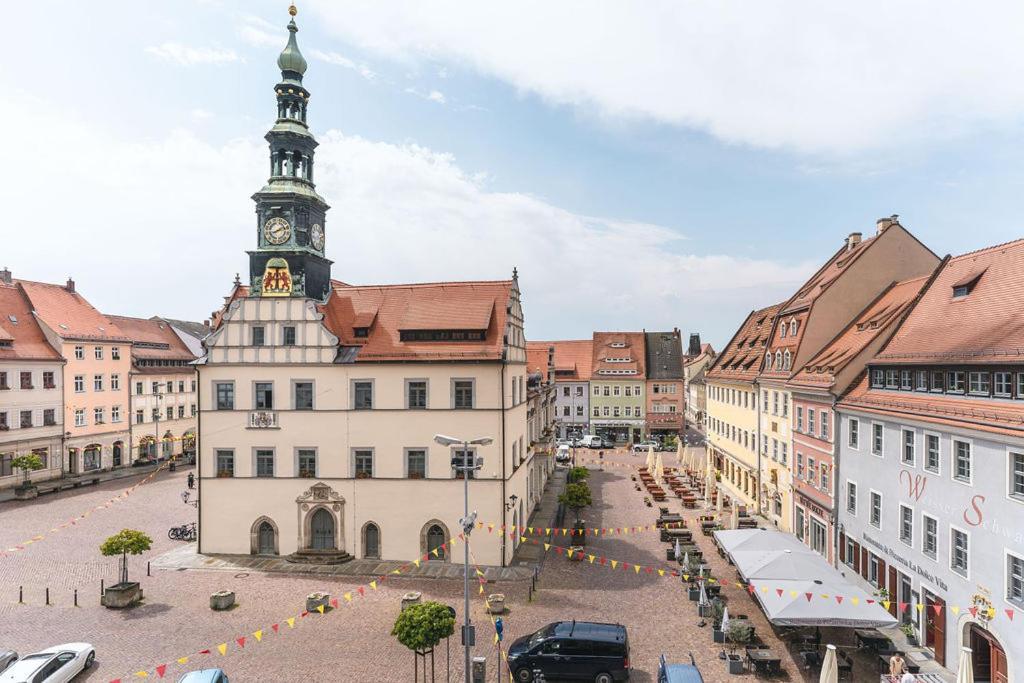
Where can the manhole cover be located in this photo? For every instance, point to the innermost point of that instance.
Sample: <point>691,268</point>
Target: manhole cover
<point>243,575</point>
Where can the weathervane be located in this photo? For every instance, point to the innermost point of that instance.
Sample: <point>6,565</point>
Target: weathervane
<point>292,9</point>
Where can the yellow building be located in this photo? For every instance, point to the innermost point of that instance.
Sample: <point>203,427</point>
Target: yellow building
<point>732,409</point>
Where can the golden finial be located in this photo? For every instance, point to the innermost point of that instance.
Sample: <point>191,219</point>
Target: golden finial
<point>292,10</point>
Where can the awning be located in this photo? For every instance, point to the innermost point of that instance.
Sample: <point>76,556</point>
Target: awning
<point>817,603</point>
<point>733,540</point>
<point>782,564</point>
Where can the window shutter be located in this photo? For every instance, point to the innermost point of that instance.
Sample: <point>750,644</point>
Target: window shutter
<point>864,562</point>
<point>842,547</point>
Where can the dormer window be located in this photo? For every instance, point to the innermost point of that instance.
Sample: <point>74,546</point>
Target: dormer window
<point>361,332</point>
<point>793,327</point>
<point>778,360</point>
<point>618,345</point>
<point>782,331</point>
<point>966,284</point>
<point>786,360</point>
<point>768,361</point>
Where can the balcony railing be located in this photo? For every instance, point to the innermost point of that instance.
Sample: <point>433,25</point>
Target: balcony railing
<point>263,419</point>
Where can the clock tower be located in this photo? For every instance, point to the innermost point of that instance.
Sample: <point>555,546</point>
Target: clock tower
<point>290,216</point>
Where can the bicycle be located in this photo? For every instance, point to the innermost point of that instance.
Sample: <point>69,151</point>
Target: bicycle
<point>185,532</point>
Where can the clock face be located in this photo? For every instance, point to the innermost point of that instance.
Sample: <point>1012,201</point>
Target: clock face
<point>277,230</point>
<point>317,235</point>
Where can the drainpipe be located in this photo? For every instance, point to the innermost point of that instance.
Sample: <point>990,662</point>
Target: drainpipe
<point>757,445</point>
<point>501,503</point>
<point>835,484</point>
<point>199,459</point>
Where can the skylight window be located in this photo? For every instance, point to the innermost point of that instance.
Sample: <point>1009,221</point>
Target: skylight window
<point>13,318</point>
<point>961,291</point>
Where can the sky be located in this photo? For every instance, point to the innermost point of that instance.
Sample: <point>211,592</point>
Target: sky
<point>643,165</point>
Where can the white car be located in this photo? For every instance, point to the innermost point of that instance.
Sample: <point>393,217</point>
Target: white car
<point>642,446</point>
<point>57,664</point>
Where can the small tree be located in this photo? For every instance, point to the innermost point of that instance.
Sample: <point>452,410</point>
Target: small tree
<point>671,442</point>
<point>578,474</point>
<point>421,627</point>
<point>126,542</point>
<point>576,497</point>
<point>27,463</point>
<point>739,633</point>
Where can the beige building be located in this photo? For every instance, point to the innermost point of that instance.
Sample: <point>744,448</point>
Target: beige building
<point>319,401</point>
<point>31,389</point>
<point>732,404</point>
<point>163,399</point>
<point>97,358</point>
<point>694,381</point>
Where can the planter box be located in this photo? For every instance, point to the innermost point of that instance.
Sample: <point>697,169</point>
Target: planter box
<point>314,600</point>
<point>718,636</point>
<point>411,598</point>
<point>222,600</point>
<point>121,595</point>
<point>694,593</point>
<point>25,493</point>
<point>496,603</point>
<point>735,663</point>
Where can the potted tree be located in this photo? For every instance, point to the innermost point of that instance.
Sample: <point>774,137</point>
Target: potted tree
<point>126,542</point>
<point>908,630</point>
<point>420,627</point>
<point>27,463</point>
<point>717,610</point>
<point>738,634</point>
<point>576,497</point>
<point>577,474</point>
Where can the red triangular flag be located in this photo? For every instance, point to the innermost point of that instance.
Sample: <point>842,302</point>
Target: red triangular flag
<point>839,599</point>
<point>625,565</point>
<point>751,589</point>
<point>204,652</point>
<point>779,591</point>
<point>361,590</point>
<point>648,569</point>
<point>870,601</point>
<point>809,596</point>
<point>558,549</point>
<point>903,607</point>
<point>603,560</point>
<point>973,611</point>
<point>1009,614</point>
<point>160,670</point>
<point>334,603</point>
<point>304,614</point>
<point>937,607</point>
<point>275,627</point>
<point>240,641</point>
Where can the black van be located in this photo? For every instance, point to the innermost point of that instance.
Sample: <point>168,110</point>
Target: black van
<point>573,650</point>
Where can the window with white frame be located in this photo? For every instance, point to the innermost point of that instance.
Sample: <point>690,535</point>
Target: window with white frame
<point>785,405</point>
<point>873,570</point>
<point>854,433</point>
<point>906,525</point>
<point>812,421</point>
<point>875,516</point>
<point>892,379</point>
<point>79,384</point>
<point>80,417</point>
<point>785,453</point>
<point>979,383</point>
<point>799,465</point>
<point>959,552</point>
<point>905,379</point>
<point>1015,579</point>
<point>922,380</point>
<point>930,536</point>
<point>876,438</point>
<point>851,498</point>
<point>97,383</point>
<point>931,453</point>
<point>79,353</point>
<point>850,556</point>
<point>98,352</point>
<point>962,461</point>
<point>1002,383</point>
<point>908,447</point>
<point>115,413</point>
<point>264,462</point>
<point>799,418</point>
<point>824,424</point>
<point>955,382</point>
<point>824,477</point>
<point>115,382</point>
<point>1016,475</point>
<point>775,403</point>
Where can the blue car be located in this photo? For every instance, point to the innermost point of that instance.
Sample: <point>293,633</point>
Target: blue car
<point>678,673</point>
<point>205,676</point>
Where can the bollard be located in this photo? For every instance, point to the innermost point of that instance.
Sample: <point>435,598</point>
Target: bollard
<point>147,569</point>
<point>101,588</point>
<point>76,597</point>
<point>47,595</point>
<point>21,595</point>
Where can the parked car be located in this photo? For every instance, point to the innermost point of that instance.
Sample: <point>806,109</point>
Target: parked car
<point>592,441</point>
<point>563,456</point>
<point>678,673</point>
<point>573,650</point>
<point>205,676</point>
<point>642,446</point>
<point>57,664</point>
<point>7,658</point>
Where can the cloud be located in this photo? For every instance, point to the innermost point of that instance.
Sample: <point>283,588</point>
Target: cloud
<point>431,95</point>
<point>183,219</point>
<point>821,78</point>
<point>338,59</point>
<point>259,32</point>
<point>200,114</point>
<point>186,55</point>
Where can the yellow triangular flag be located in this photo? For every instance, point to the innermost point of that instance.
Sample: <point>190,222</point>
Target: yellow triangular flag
<point>478,572</point>
<point>614,562</point>
<point>513,528</point>
<point>855,600</point>
<point>547,546</point>
<point>547,531</point>
<point>919,607</point>
<point>481,588</point>
<point>764,589</point>
<point>792,594</point>
<point>568,552</point>
<point>396,571</point>
<point>258,635</point>
<point>636,568</point>
<point>434,552</point>
<point>182,660</point>
<point>565,531</point>
<point>348,597</point>
<point>661,572</point>
<point>522,539</point>
<point>495,638</point>
<point>686,577</point>
<point>416,562</point>
<point>291,622</point>
<point>320,609</point>
<point>955,609</point>
<point>373,585</point>
<point>531,529</point>
<point>222,648</point>
<point>885,604</point>
<point>991,612</point>
<point>142,674</point>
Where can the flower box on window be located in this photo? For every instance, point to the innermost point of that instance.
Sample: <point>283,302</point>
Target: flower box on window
<point>363,475</point>
<point>225,474</point>
<point>307,474</point>
<point>416,475</point>
<point>49,385</point>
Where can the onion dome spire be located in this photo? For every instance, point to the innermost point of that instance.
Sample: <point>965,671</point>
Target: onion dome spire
<point>291,62</point>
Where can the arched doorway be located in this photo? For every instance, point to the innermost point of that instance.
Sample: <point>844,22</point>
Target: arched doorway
<point>263,537</point>
<point>91,457</point>
<point>118,453</point>
<point>73,461</point>
<point>988,659</point>
<point>188,445</point>
<point>168,446</point>
<point>434,536</point>
<point>147,448</point>
<point>371,540</point>
<point>321,527</point>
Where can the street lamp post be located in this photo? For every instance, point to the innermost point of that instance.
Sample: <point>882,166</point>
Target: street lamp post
<point>465,465</point>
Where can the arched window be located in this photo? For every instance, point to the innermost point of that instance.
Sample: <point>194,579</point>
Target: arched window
<point>778,360</point>
<point>786,360</point>
<point>768,361</point>
<point>782,331</point>
<point>793,327</point>
<point>371,540</point>
<point>434,536</point>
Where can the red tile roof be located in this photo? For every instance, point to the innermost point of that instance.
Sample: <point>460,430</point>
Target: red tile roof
<point>986,326</point>
<point>741,359</point>
<point>825,276</point>
<point>573,358</point>
<point>634,349</point>
<point>537,358</point>
<point>238,291</point>
<point>144,332</point>
<point>26,337</point>
<point>455,306</point>
<point>68,314</point>
<point>982,414</point>
<point>878,318</point>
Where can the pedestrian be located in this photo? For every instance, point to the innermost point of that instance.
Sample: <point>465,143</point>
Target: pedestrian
<point>908,678</point>
<point>897,666</point>
<point>191,480</point>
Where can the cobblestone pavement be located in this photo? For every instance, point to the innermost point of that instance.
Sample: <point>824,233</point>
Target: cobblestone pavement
<point>352,643</point>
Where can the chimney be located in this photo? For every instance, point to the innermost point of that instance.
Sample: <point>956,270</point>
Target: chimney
<point>884,223</point>
<point>70,286</point>
<point>5,276</point>
<point>853,240</point>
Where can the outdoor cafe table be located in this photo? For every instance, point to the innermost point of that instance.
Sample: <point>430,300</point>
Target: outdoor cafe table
<point>764,661</point>
<point>873,639</point>
<point>883,664</point>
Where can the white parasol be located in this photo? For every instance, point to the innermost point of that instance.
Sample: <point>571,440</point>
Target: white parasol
<point>830,667</point>
<point>965,668</point>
